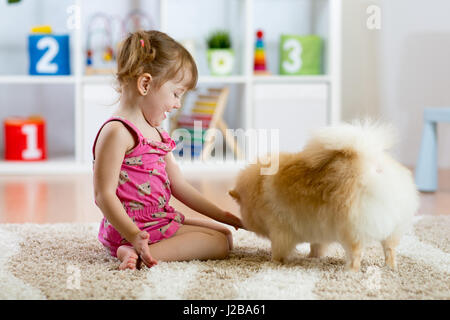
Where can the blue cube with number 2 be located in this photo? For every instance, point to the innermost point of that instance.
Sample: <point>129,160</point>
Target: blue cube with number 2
<point>49,54</point>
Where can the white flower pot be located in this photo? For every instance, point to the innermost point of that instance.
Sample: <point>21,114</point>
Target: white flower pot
<point>220,61</point>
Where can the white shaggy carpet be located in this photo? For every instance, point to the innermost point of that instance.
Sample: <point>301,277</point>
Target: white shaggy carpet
<point>66,261</point>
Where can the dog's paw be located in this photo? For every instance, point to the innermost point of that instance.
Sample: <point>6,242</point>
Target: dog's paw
<point>279,260</point>
<point>315,255</point>
<point>392,266</point>
<point>352,267</point>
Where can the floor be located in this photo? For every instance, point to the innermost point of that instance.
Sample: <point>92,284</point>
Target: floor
<point>64,199</point>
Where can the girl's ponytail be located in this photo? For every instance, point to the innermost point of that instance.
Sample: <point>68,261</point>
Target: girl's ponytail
<point>155,53</point>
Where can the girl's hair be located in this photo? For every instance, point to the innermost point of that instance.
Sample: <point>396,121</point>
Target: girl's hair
<point>156,53</point>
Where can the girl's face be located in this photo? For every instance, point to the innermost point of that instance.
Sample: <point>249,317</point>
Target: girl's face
<point>159,102</point>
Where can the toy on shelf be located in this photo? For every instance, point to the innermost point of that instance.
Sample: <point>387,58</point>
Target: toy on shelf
<point>220,53</point>
<point>44,29</point>
<point>25,139</point>
<point>102,62</point>
<point>207,112</point>
<point>260,67</point>
<point>49,54</point>
<point>104,32</point>
<point>137,20</point>
<point>300,55</point>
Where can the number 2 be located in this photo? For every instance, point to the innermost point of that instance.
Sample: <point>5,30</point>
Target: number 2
<point>295,51</point>
<point>44,65</point>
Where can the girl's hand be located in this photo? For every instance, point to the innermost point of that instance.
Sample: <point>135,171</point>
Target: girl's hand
<point>234,221</point>
<point>140,244</point>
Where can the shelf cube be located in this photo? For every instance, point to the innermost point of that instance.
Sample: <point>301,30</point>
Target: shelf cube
<point>25,139</point>
<point>49,54</point>
<point>300,55</point>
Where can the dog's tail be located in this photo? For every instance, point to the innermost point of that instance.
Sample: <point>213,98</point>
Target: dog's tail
<point>334,158</point>
<point>366,136</point>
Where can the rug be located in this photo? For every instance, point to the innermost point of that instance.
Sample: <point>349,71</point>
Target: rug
<point>66,261</point>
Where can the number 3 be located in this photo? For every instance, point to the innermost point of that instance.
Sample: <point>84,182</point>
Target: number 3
<point>295,51</point>
<point>44,65</point>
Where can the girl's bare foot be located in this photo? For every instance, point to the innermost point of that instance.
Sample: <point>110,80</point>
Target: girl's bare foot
<point>128,256</point>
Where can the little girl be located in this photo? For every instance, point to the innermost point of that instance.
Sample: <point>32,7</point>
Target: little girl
<point>135,172</point>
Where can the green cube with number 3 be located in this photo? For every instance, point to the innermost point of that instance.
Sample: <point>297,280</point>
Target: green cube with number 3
<point>300,54</point>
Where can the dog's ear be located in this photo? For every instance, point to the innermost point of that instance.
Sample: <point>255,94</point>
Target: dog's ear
<point>234,195</point>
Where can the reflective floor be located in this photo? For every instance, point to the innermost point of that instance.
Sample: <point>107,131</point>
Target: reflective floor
<point>62,199</point>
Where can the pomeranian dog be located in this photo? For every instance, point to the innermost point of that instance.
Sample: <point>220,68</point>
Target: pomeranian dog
<point>343,187</point>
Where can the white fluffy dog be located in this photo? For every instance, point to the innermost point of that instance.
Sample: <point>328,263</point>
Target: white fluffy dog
<point>343,187</point>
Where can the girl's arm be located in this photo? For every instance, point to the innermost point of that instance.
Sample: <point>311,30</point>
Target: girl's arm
<point>191,197</point>
<point>211,225</point>
<point>114,140</point>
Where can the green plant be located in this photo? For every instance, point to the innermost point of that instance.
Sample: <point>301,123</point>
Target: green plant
<point>219,40</point>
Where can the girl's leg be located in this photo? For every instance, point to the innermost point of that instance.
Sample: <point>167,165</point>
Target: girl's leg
<point>211,225</point>
<point>191,242</point>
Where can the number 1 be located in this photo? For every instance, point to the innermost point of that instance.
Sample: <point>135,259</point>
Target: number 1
<point>31,151</point>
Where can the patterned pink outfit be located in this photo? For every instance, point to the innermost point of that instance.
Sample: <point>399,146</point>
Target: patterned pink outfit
<point>144,190</point>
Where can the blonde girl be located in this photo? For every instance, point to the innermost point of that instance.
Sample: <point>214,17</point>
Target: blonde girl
<point>135,172</point>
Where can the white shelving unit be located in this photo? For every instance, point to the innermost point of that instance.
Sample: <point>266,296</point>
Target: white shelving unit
<point>36,79</point>
<point>93,95</point>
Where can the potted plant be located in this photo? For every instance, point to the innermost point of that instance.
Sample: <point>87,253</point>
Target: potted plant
<point>220,54</point>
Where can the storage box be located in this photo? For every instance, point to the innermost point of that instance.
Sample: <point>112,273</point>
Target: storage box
<point>49,54</point>
<point>300,55</point>
<point>25,139</point>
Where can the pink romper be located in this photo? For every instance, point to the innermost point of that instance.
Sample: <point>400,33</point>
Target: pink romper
<point>144,190</point>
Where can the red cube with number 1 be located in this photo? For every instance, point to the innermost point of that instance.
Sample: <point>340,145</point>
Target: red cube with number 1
<point>25,139</point>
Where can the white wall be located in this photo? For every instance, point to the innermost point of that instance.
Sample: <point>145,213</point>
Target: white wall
<point>395,72</point>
